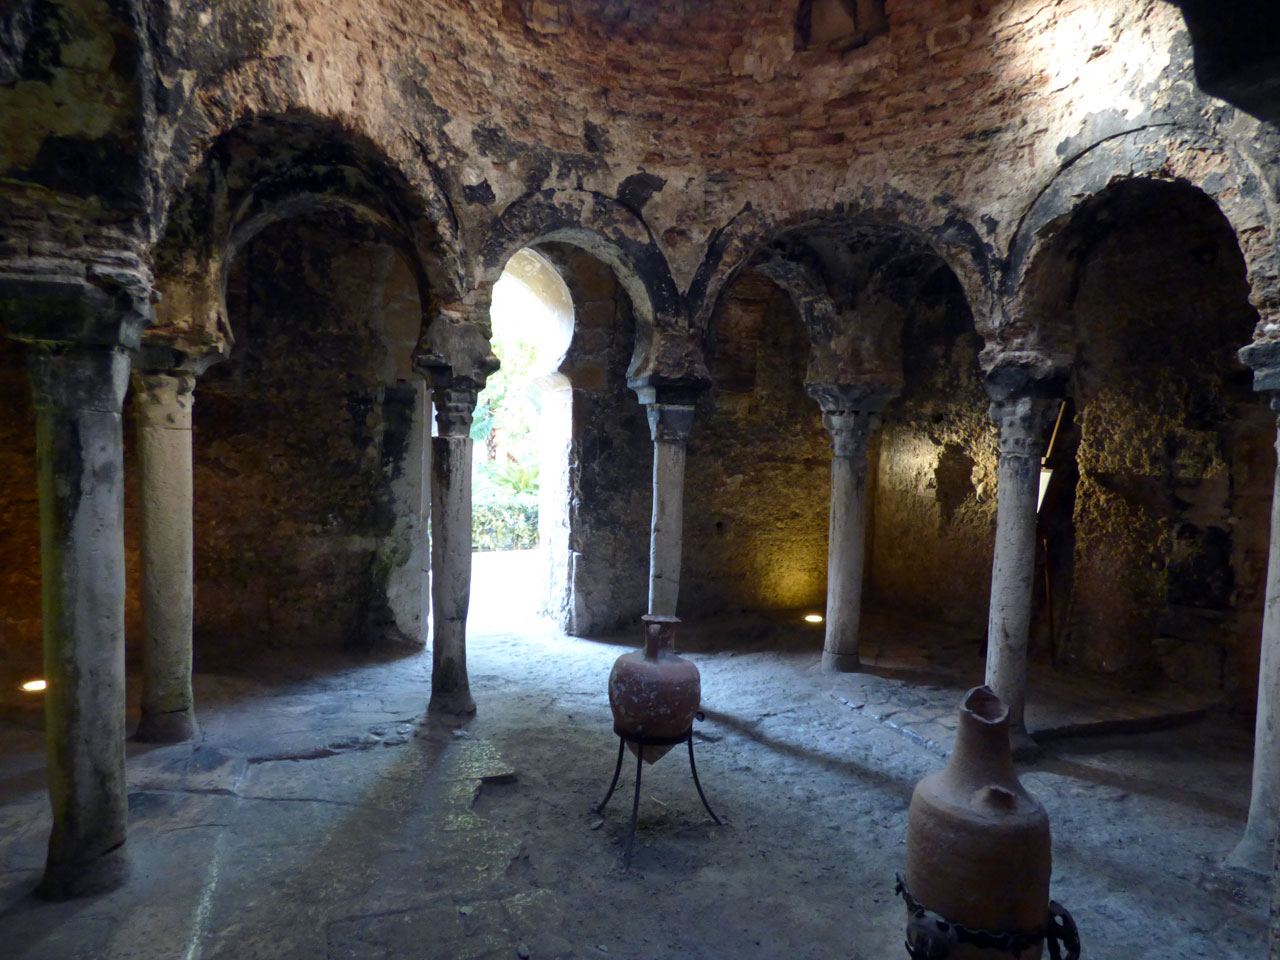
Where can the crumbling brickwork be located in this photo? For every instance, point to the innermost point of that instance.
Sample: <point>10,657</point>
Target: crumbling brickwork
<point>144,146</point>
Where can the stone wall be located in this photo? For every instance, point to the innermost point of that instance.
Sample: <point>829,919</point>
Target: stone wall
<point>307,446</point>
<point>931,522</point>
<point>758,475</point>
<point>1171,510</point>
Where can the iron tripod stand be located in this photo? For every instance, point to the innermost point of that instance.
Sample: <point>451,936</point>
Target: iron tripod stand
<point>638,737</point>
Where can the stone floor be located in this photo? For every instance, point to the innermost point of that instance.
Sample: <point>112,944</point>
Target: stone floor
<point>322,815</point>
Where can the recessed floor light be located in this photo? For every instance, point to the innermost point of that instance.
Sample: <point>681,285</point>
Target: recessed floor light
<point>34,686</point>
<point>813,617</point>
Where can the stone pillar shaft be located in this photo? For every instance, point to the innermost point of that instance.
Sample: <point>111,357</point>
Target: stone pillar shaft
<point>1274,953</point>
<point>1256,848</point>
<point>669,425</point>
<point>1021,421</point>
<point>78,392</point>
<point>451,549</point>
<point>162,402</point>
<point>846,543</point>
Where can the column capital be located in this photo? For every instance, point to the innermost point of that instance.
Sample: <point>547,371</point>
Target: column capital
<point>455,407</point>
<point>163,398</point>
<point>851,412</point>
<point>850,430</point>
<point>669,422</point>
<point>1022,422</point>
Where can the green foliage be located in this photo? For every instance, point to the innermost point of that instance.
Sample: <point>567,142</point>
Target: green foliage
<point>505,525</point>
<point>509,405</point>
<point>505,475</point>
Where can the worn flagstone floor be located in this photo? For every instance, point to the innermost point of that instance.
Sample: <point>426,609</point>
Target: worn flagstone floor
<point>322,815</point>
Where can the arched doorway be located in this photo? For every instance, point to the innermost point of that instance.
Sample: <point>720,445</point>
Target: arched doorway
<point>523,429</point>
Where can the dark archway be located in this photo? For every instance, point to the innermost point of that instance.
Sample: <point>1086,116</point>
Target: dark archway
<point>1159,550</point>
<point>308,445</point>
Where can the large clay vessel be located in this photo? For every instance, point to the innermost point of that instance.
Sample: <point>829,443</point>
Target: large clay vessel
<point>655,693</point>
<point>978,848</point>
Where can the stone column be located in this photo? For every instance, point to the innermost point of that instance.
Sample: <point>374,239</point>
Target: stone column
<point>162,405</point>
<point>669,424</point>
<point>1274,953</point>
<point>1256,848</point>
<point>451,548</point>
<point>850,431</point>
<point>78,391</point>
<point>1022,421</point>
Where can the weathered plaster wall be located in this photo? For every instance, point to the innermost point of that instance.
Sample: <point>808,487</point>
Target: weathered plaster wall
<point>954,119</point>
<point>690,131</point>
<point>1172,504</point>
<point>609,454</point>
<point>757,479</point>
<point>72,95</point>
<point>932,523</point>
<point>302,440</point>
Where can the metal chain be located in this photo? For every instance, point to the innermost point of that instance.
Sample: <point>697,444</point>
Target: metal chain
<point>931,936</point>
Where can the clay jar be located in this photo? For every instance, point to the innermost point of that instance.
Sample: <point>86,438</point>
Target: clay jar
<point>656,692</point>
<point>978,848</point>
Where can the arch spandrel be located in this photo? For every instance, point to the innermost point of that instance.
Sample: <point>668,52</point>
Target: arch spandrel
<point>1035,279</point>
<point>266,168</point>
<point>666,351</point>
<point>935,225</point>
<point>852,282</point>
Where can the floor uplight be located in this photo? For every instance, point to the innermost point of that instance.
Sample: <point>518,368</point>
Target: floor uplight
<point>813,617</point>
<point>34,686</point>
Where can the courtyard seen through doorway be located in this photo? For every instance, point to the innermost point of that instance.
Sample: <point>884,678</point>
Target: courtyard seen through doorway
<point>520,469</point>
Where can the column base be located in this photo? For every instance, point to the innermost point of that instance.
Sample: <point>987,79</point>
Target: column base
<point>458,703</point>
<point>1254,852</point>
<point>1023,745</point>
<point>176,727</point>
<point>840,662</point>
<point>85,878</point>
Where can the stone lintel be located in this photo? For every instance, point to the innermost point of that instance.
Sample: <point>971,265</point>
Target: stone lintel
<point>1024,373</point>
<point>66,308</point>
<point>653,389</point>
<point>668,358</point>
<point>177,351</point>
<point>77,376</point>
<point>455,349</point>
<point>1263,357</point>
<point>669,422</point>
<point>868,396</point>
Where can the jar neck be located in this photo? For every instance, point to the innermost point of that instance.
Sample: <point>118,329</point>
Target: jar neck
<point>659,636</point>
<point>982,739</point>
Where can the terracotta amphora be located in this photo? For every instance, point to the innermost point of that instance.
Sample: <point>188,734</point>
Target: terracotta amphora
<point>655,693</point>
<point>978,848</point>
